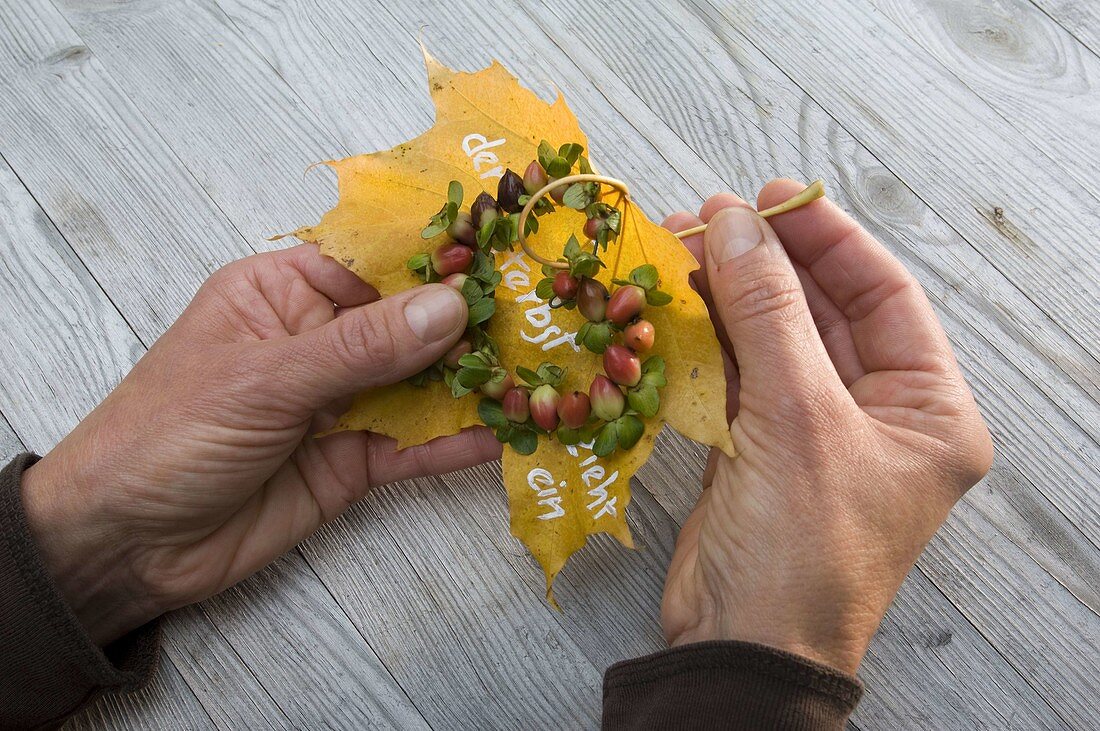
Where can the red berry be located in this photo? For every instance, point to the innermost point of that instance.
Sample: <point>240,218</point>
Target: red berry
<point>509,189</point>
<point>451,258</point>
<point>544,407</point>
<point>574,409</point>
<point>626,303</point>
<point>592,227</point>
<point>462,229</point>
<point>592,299</point>
<point>499,389</point>
<point>456,280</point>
<point>461,348</point>
<point>566,285</point>
<point>558,193</point>
<point>516,408</point>
<point>622,365</point>
<point>639,336</point>
<point>607,399</point>
<point>534,178</point>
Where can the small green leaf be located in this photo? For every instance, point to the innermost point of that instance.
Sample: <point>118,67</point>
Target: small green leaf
<point>473,360</point>
<point>531,226</point>
<point>653,364</point>
<point>545,289</point>
<point>454,193</point>
<point>528,376</point>
<point>524,442</point>
<point>559,167</point>
<point>630,430</point>
<point>481,311</point>
<point>580,195</point>
<point>434,228</point>
<point>597,337</point>
<point>491,412</point>
<point>458,390</point>
<point>572,248</point>
<point>568,436</point>
<point>550,373</point>
<point>485,233</point>
<point>472,377</point>
<point>418,261</point>
<point>644,276</point>
<point>472,291</point>
<point>606,439</point>
<point>570,152</point>
<point>644,399</point>
<point>657,298</point>
<point>482,267</point>
<point>505,433</point>
<point>586,167</point>
<point>546,154</point>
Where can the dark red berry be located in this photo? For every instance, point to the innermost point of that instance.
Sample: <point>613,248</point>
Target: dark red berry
<point>534,178</point>
<point>558,193</point>
<point>544,407</point>
<point>622,365</point>
<point>592,300</point>
<point>566,285</point>
<point>451,259</point>
<point>626,303</point>
<point>516,408</point>
<point>574,409</point>
<point>592,227</point>
<point>509,189</point>
<point>639,336</point>
<point>607,398</point>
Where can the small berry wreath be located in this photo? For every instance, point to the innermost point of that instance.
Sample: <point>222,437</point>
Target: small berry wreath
<point>518,409</point>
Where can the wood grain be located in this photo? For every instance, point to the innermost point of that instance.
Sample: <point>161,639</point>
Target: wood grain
<point>1080,17</point>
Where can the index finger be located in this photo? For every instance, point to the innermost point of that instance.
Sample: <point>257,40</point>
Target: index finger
<point>892,322</point>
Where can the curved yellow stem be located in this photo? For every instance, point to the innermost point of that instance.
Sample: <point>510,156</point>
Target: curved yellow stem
<point>810,193</point>
<point>543,192</point>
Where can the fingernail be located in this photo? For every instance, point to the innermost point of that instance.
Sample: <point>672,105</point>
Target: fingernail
<point>732,232</point>
<point>434,313</point>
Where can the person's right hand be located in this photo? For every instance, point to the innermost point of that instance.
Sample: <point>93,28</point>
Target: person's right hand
<point>854,429</point>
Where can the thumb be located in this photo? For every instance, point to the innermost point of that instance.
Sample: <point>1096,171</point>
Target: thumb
<point>373,345</point>
<point>761,304</point>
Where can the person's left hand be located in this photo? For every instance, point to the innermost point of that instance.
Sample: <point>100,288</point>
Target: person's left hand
<point>200,468</point>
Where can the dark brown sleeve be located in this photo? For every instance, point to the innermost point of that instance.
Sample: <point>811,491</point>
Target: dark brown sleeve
<point>49,667</point>
<point>727,685</point>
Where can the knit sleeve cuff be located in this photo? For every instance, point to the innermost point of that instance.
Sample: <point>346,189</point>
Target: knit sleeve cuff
<point>727,685</point>
<point>51,667</point>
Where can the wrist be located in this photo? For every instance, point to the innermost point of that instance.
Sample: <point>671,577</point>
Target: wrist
<point>840,645</point>
<point>86,554</point>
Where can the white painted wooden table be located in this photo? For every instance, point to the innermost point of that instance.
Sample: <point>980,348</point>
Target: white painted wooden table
<point>146,142</point>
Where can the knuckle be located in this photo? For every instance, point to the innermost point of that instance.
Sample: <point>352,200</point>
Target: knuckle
<point>366,342</point>
<point>768,295</point>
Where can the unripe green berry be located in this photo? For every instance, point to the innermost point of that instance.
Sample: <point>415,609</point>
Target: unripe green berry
<point>451,259</point>
<point>462,229</point>
<point>639,336</point>
<point>534,178</point>
<point>607,398</point>
<point>499,389</point>
<point>483,210</point>
<point>456,280</point>
<point>622,365</point>
<point>574,409</point>
<point>592,300</point>
<point>626,303</point>
<point>544,406</point>
<point>516,405</point>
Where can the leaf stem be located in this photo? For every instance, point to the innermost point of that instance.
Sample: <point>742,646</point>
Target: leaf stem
<point>543,192</point>
<point>810,193</point>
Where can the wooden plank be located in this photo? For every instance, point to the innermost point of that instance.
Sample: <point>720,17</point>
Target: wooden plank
<point>1025,66</point>
<point>1006,196</point>
<point>80,348</point>
<point>471,645</point>
<point>322,66</point>
<point>117,192</point>
<point>1080,17</point>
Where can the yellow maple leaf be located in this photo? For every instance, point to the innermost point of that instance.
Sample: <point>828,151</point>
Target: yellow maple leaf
<point>485,124</point>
